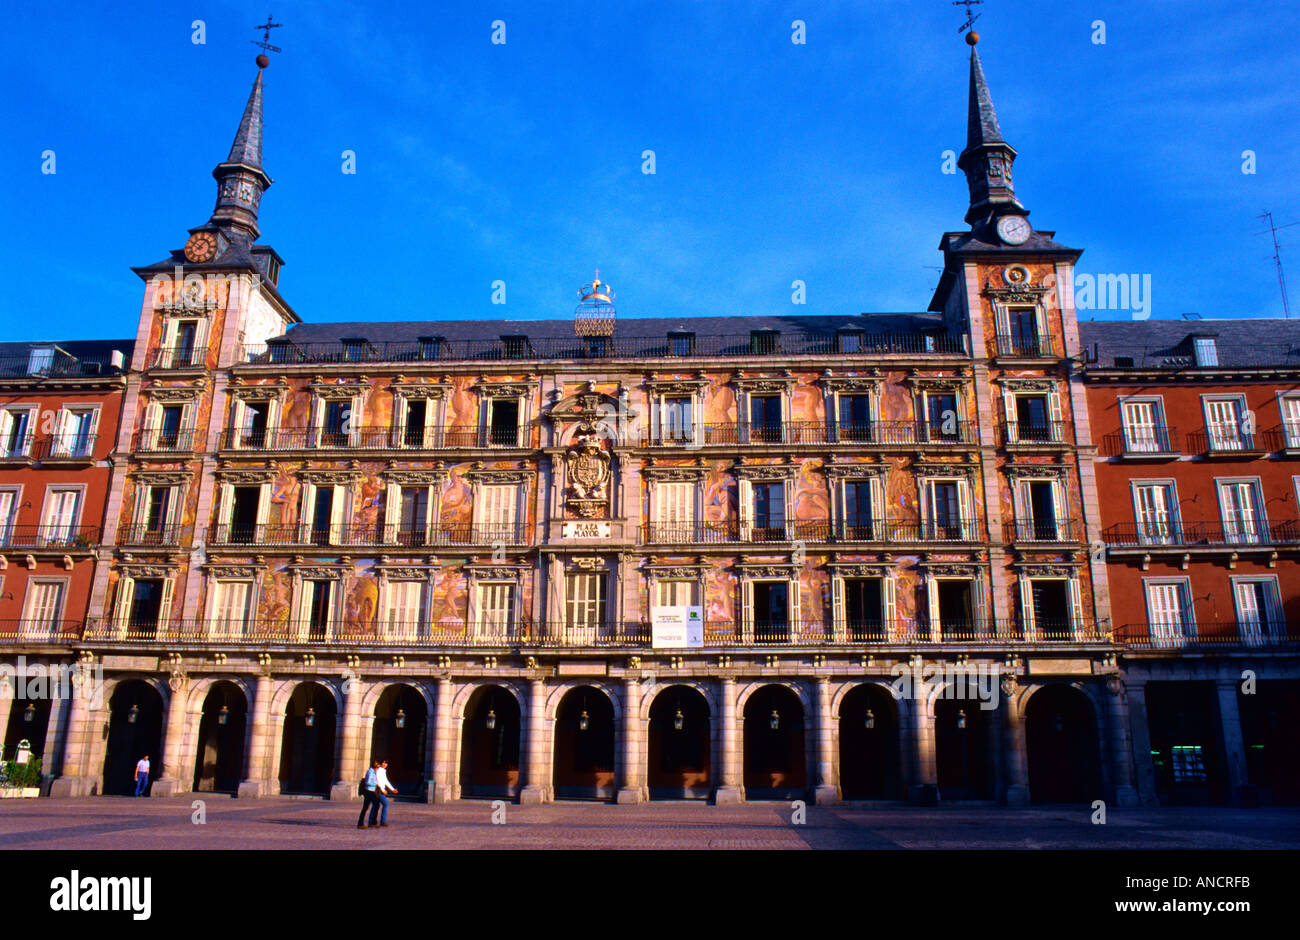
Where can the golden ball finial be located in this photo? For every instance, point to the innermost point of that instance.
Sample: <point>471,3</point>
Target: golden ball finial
<point>263,61</point>
<point>972,37</point>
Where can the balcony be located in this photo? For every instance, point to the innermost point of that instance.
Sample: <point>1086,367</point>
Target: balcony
<point>877,433</point>
<point>1026,347</point>
<point>145,535</point>
<point>634,634</point>
<point>178,357</point>
<point>1179,535</point>
<point>1143,443</point>
<point>1033,433</point>
<point>437,349</point>
<point>69,448</point>
<point>164,441</point>
<point>18,447</point>
<point>1053,531</point>
<point>50,538</point>
<point>367,535</point>
<point>1227,443</point>
<point>1228,635</point>
<point>712,533</point>
<point>20,632</point>
<point>453,438</point>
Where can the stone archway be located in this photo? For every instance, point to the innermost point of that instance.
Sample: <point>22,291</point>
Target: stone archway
<point>134,731</point>
<point>489,765</point>
<point>400,736</point>
<point>871,765</point>
<point>1061,746</point>
<point>29,720</point>
<point>584,745</point>
<point>775,759</point>
<point>307,749</point>
<point>963,740</point>
<point>219,758</point>
<point>679,745</point>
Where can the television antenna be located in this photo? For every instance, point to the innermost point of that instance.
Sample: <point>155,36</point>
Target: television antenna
<point>1277,257</point>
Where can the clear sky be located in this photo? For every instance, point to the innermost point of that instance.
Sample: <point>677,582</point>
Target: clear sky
<point>775,161</point>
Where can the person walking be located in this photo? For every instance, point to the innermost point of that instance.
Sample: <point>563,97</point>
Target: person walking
<point>369,795</point>
<point>141,775</point>
<point>382,788</point>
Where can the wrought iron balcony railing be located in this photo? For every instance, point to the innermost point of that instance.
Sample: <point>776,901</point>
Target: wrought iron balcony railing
<point>17,447</point>
<point>144,534</point>
<point>1227,635</point>
<point>1156,441</point>
<point>164,441</point>
<point>179,357</point>
<point>367,535</point>
<point>515,634</point>
<point>41,630</point>
<point>1225,442</point>
<point>708,533</point>
<point>359,438</point>
<point>66,447</point>
<point>56,537</point>
<point>880,433</point>
<point>1033,432</point>
<point>1179,534</point>
<point>1048,530</point>
<point>1026,347</point>
<point>438,349</point>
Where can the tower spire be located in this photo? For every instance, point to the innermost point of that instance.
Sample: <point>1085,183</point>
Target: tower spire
<point>987,159</point>
<point>240,178</point>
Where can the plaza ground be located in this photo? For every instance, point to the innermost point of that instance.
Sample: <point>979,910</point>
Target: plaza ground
<point>112,823</point>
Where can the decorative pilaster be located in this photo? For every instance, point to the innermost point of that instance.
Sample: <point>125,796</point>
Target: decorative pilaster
<point>1120,745</point>
<point>633,789</point>
<point>1142,765</point>
<point>538,786</point>
<point>731,790</point>
<point>258,781</point>
<point>828,790</point>
<point>1015,757</point>
<point>1234,745</point>
<point>443,738</point>
<point>345,787</point>
<point>72,781</point>
<point>171,782</point>
<point>924,788</point>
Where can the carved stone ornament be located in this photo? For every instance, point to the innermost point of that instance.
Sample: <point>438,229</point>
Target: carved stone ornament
<point>1026,385</point>
<point>146,571</point>
<point>1047,571</point>
<point>330,477</point>
<point>503,389</point>
<point>406,572</point>
<point>245,476</point>
<point>752,385</point>
<point>945,570</point>
<point>675,474</point>
<point>588,467</point>
<point>769,571</point>
<point>758,472</point>
<point>848,570</point>
<point>170,394</point>
<point>499,476</point>
<point>415,477</point>
<point>675,386</point>
<point>852,383</point>
<point>414,390</point>
<point>267,392</point>
<point>163,477</point>
<point>1036,471</point>
<point>336,391</point>
<point>854,471</point>
<point>233,572</point>
<point>679,573</point>
<point>321,572</point>
<point>495,572</point>
<point>586,563</point>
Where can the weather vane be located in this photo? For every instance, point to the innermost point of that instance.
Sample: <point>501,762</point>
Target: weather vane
<point>971,15</point>
<point>265,44</point>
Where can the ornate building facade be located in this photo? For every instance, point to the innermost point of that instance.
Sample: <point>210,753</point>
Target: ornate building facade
<point>457,543</point>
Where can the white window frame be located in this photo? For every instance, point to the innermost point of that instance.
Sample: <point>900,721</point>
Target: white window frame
<point>126,595</point>
<point>1022,503</point>
<point>47,626</point>
<point>482,626</point>
<point>873,410</point>
<point>794,605</point>
<point>8,415</point>
<point>300,628</point>
<point>7,524</point>
<point>153,411</point>
<point>1268,622</point>
<point>888,603</point>
<point>839,504</point>
<point>60,446</point>
<point>1172,526</point>
<point>669,530</point>
<point>579,629</point>
<point>1010,400</point>
<point>393,509</point>
<point>745,504</point>
<point>239,416</point>
<point>140,517</point>
<point>1187,615</point>
<point>340,510</point>
<point>61,531</point>
<point>965,506</point>
<point>393,624</point>
<point>1252,531</point>
<point>660,411</point>
<point>168,343</point>
<point>1216,436</point>
<point>1029,616</point>
<point>481,505</point>
<point>979,599</point>
<point>522,420</point>
<point>432,418</point>
<point>1140,443</point>
<point>1290,425</point>
<point>226,505</point>
<point>959,402</point>
<point>230,628</point>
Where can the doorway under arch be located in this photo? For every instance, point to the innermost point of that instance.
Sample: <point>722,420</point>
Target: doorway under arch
<point>679,745</point>
<point>400,736</point>
<point>134,731</point>
<point>489,765</point>
<point>776,765</point>
<point>307,749</point>
<point>584,745</point>
<point>1061,746</point>
<point>870,747</point>
<point>219,761</point>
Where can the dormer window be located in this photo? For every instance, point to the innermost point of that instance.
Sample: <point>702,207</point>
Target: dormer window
<point>764,342</point>
<point>681,343</point>
<point>355,349</point>
<point>849,341</point>
<point>514,345</point>
<point>429,346</point>
<point>40,360</point>
<point>1205,350</point>
<point>597,347</point>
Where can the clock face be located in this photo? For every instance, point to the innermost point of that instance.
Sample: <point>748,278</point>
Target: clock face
<point>1014,229</point>
<point>201,247</point>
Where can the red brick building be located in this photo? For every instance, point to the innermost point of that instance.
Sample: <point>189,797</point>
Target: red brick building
<point>59,409</point>
<point>1198,476</point>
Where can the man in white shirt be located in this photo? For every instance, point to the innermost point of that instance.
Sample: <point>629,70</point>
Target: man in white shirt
<point>370,796</point>
<point>141,775</point>
<point>382,788</point>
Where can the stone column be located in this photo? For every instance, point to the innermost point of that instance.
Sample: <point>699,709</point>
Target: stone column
<point>173,780</point>
<point>443,739</point>
<point>6,706</point>
<point>1120,749</point>
<point>828,790</point>
<point>1234,745</point>
<point>257,782</point>
<point>73,779</point>
<point>924,788</point>
<point>731,789</point>
<point>1142,764</point>
<point>633,789</point>
<point>1015,761</point>
<point>538,786</point>
<point>345,787</point>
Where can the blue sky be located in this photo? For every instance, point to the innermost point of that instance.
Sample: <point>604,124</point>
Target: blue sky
<point>522,162</point>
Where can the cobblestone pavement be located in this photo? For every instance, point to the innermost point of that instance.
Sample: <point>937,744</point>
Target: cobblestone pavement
<point>124,823</point>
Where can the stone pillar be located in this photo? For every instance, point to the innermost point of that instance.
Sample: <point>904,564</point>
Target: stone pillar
<point>731,790</point>
<point>1142,764</point>
<point>828,790</point>
<point>1015,755</point>
<point>257,782</point>
<point>924,788</point>
<point>442,743</point>
<point>346,786</point>
<point>173,779</point>
<point>6,706</point>
<point>538,786</point>
<point>633,789</point>
<point>73,779</point>
<point>1120,749</point>
<point>1234,745</point>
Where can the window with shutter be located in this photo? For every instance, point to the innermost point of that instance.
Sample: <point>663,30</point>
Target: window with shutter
<point>8,509</point>
<point>1223,423</point>
<point>496,608</point>
<point>61,516</point>
<point>1168,611</point>
<point>1153,504</point>
<point>498,513</point>
<point>15,432</point>
<point>405,609</point>
<point>1242,512</point>
<point>44,608</point>
<point>1143,428</point>
<point>584,597</point>
<point>1290,407</point>
<point>675,511</point>
<point>677,594</point>
<point>231,609</point>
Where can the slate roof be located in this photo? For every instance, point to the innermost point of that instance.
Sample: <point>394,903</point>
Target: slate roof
<point>77,357</point>
<point>1168,344</point>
